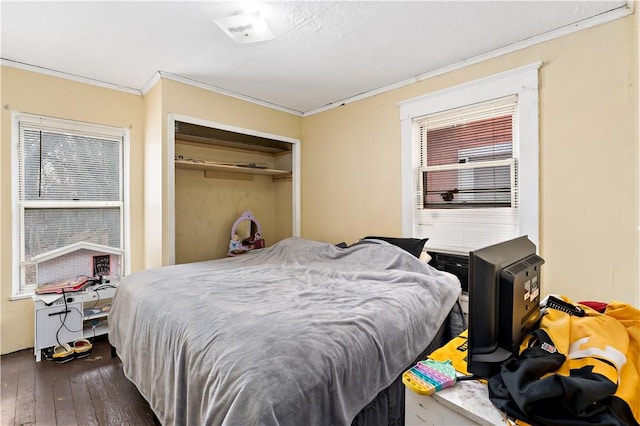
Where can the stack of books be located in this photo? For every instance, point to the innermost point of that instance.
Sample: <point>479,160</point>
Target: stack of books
<point>63,286</point>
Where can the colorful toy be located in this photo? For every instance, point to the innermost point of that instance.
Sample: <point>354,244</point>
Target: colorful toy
<point>429,376</point>
<point>253,240</point>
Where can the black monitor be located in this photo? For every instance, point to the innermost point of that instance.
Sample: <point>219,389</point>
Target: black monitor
<point>504,302</point>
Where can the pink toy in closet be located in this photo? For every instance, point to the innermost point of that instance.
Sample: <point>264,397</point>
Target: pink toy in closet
<point>246,235</point>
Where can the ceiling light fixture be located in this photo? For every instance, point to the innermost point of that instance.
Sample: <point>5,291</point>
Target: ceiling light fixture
<point>245,27</point>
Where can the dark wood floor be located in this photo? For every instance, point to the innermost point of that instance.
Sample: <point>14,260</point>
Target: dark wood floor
<point>88,391</point>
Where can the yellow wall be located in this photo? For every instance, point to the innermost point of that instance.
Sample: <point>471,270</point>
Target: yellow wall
<point>636,37</point>
<point>589,221</point>
<point>153,176</point>
<point>350,160</point>
<point>588,161</point>
<point>283,226</point>
<point>33,93</point>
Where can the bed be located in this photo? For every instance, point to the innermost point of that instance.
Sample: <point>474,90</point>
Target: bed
<point>302,332</point>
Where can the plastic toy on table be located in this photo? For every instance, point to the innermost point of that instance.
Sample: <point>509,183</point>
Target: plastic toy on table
<point>429,376</point>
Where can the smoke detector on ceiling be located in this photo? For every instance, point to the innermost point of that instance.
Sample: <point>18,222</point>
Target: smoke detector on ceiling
<point>245,27</point>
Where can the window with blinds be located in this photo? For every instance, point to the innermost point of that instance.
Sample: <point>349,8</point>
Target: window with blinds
<point>70,188</point>
<point>467,156</point>
<point>470,170</point>
<point>467,185</point>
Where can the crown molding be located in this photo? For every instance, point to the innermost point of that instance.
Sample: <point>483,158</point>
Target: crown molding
<point>215,89</point>
<point>67,76</point>
<point>612,15</point>
<point>156,77</point>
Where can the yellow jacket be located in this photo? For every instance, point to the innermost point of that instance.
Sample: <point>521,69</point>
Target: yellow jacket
<point>571,370</point>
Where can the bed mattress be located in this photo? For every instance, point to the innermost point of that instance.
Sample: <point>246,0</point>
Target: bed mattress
<point>302,332</point>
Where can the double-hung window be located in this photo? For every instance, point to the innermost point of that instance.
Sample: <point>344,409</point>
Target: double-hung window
<point>470,162</point>
<point>69,188</point>
<point>467,156</point>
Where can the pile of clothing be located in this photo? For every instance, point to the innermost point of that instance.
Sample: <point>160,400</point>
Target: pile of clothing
<point>575,369</point>
<point>579,366</point>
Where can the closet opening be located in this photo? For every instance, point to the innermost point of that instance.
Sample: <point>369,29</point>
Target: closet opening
<point>216,172</point>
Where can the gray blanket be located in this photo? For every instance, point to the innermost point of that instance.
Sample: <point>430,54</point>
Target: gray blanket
<point>301,333</point>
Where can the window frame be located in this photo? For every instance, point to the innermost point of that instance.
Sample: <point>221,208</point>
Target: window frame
<point>19,290</point>
<point>522,82</point>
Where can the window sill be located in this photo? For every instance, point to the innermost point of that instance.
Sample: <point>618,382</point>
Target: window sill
<point>21,296</point>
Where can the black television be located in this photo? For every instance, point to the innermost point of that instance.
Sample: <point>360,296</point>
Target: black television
<point>504,302</point>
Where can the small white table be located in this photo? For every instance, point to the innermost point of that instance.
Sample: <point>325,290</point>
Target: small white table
<point>466,403</point>
<point>69,317</point>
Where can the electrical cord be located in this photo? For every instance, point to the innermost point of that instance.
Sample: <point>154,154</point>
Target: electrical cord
<point>63,319</point>
<point>67,310</point>
<point>469,377</point>
<point>66,326</point>
<point>91,310</point>
<point>97,300</point>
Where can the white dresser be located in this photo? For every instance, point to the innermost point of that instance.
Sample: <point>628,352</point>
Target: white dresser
<point>76,315</point>
<point>466,403</point>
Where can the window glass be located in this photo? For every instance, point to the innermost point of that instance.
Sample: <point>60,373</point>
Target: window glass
<point>61,166</point>
<point>468,157</point>
<point>70,189</point>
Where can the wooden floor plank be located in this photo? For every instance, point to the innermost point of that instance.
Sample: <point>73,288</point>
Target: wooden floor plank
<point>122,402</point>
<point>88,391</point>
<point>26,402</point>
<point>10,362</point>
<point>137,409</point>
<point>63,400</point>
<point>9,396</point>
<point>49,374</point>
<point>82,402</point>
<point>97,394</point>
<point>45,406</point>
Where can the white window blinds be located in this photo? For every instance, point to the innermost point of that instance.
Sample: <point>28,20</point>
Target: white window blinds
<point>466,182</point>
<point>70,188</point>
<point>60,166</point>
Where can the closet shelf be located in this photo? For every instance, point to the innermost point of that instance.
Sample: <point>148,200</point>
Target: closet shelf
<point>227,167</point>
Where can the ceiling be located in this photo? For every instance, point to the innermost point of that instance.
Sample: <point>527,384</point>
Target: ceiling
<point>324,52</point>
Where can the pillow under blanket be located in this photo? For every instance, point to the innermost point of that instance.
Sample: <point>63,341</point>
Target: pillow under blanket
<point>411,245</point>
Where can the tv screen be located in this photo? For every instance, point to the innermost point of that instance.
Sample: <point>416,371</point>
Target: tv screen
<point>504,302</point>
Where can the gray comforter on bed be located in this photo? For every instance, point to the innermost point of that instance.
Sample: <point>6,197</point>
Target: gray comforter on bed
<point>301,333</point>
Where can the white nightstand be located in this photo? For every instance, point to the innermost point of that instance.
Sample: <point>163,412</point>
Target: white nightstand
<point>466,403</point>
<point>84,315</point>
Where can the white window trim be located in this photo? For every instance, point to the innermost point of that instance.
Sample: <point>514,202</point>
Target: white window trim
<point>16,117</point>
<point>522,82</point>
